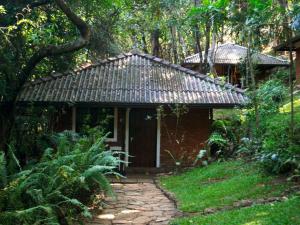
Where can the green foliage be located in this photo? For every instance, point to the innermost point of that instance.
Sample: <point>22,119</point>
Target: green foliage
<point>2,9</point>
<point>57,188</point>
<point>271,95</point>
<point>282,75</point>
<point>270,143</point>
<point>31,135</point>
<point>217,139</point>
<point>25,29</point>
<point>225,137</point>
<point>278,152</point>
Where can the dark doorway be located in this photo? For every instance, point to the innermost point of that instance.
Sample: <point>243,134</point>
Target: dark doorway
<point>142,137</point>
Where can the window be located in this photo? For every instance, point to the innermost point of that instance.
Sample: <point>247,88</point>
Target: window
<point>105,118</point>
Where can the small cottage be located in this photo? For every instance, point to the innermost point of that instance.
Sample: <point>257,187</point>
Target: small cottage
<point>143,95</point>
<point>227,58</point>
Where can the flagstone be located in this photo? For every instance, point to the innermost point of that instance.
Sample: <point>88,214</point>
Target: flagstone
<point>136,203</point>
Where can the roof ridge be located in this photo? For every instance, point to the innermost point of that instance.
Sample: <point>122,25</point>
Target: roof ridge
<point>274,57</point>
<point>242,47</point>
<point>147,56</point>
<point>265,54</point>
<point>191,72</point>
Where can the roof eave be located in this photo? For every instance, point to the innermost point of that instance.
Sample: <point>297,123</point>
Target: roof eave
<point>128,104</point>
<point>285,46</point>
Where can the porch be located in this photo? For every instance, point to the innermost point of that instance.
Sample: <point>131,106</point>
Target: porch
<point>153,139</point>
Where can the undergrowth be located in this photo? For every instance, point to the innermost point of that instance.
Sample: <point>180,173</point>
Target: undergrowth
<point>58,188</point>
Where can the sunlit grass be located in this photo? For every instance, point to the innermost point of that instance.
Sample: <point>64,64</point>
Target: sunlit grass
<point>281,213</point>
<point>219,185</point>
<point>286,108</point>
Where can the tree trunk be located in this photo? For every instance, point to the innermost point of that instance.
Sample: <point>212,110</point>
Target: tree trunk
<point>288,33</point>
<point>155,42</point>
<point>51,50</point>
<point>182,45</point>
<point>144,42</point>
<point>198,49</point>
<point>174,44</point>
<point>211,55</point>
<point>207,44</point>
<point>253,82</point>
<point>291,84</point>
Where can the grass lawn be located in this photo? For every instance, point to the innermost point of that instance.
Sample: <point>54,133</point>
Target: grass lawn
<point>220,184</point>
<point>282,213</point>
<point>286,108</point>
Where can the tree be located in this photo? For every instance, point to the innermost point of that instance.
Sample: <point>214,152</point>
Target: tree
<point>29,52</point>
<point>210,16</point>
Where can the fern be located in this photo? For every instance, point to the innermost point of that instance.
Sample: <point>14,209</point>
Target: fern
<point>13,164</point>
<point>58,187</point>
<point>48,155</point>
<point>103,183</point>
<point>97,169</point>
<point>42,214</point>
<point>77,204</point>
<point>217,139</point>
<point>3,172</point>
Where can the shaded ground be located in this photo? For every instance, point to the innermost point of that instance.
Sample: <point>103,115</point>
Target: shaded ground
<point>138,201</point>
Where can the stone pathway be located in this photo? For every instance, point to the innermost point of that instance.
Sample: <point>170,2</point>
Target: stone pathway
<point>138,202</point>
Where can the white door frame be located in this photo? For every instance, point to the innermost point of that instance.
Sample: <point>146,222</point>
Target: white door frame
<point>127,136</point>
<point>158,138</point>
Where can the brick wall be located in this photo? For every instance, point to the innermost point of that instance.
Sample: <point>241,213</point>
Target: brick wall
<point>297,62</point>
<point>185,138</point>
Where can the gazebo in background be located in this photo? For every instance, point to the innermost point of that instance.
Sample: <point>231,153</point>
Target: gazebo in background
<point>227,60</point>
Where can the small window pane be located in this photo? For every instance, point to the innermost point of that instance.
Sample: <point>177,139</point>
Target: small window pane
<point>91,117</point>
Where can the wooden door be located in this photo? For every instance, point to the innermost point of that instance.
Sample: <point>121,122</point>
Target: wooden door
<point>142,138</point>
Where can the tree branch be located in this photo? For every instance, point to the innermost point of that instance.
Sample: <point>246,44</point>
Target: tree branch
<point>38,3</point>
<point>53,50</point>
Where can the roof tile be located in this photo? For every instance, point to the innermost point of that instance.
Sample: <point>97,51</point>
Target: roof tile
<point>132,78</point>
<point>229,53</point>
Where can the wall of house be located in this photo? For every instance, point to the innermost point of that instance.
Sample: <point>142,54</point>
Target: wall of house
<point>297,62</point>
<point>183,138</point>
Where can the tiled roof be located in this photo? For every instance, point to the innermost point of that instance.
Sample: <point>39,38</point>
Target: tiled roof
<point>132,78</point>
<point>233,54</point>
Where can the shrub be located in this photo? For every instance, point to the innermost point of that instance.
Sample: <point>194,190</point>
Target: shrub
<point>279,153</point>
<point>57,188</point>
<point>225,137</point>
<point>281,74</point>
<point>271,143</point>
